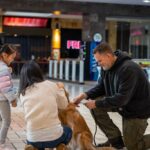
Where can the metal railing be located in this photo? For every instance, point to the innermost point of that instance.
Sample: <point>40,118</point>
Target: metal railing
<point>67,70</point>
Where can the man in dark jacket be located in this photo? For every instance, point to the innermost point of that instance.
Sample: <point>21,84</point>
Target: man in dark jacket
<point>126,91</point>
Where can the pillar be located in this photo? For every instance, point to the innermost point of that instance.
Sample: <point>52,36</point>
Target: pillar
<point>56,39</point>
<point>1,24</point>
<point>112,34</point>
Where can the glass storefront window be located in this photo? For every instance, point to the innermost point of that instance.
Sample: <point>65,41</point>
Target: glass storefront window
<point>130,35</point>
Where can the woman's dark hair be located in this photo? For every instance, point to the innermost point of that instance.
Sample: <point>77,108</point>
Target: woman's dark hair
<point>8,49</point>
<point>30,74</point>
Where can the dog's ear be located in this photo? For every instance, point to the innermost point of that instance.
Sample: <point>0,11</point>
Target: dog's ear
<point>60,85</point>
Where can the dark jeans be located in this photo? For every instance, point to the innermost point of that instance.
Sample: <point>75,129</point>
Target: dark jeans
<point>133,130</point>
<point>65,138</point>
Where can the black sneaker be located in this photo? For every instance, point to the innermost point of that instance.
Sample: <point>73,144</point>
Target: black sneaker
<point>106,144</point>
<point>116,143</point>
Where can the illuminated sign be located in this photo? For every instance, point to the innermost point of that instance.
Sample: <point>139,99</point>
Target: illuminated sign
<point>135,31</point>
<point>97,37</point>
<point>25,22</point>
<point>73,44</point>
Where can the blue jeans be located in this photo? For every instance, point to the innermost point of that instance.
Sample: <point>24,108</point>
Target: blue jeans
<point>65,138</point>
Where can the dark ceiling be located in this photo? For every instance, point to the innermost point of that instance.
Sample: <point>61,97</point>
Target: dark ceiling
<point>67,7</point>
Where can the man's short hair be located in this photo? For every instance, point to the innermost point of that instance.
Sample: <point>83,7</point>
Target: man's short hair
<point>103,48</point>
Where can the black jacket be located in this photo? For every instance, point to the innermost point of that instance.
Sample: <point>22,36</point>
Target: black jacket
<point>126,88</point>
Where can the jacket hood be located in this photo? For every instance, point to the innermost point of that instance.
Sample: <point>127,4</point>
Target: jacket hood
<point>121,57</point>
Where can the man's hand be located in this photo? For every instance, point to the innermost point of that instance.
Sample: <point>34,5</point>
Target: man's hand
<point>90,104</point>
<point>14,103</point>
<point>79,98</point>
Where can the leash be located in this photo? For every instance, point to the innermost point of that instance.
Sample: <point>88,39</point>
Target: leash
<point>94,137</point>
<point>67,95</point>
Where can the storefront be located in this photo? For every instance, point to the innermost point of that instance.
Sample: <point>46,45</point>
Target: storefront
<point>130,35</point>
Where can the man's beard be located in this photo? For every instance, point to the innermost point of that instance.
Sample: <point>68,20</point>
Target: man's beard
<point>106,68</point>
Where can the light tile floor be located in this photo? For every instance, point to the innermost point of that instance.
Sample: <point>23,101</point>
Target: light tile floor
<point>16,136</point>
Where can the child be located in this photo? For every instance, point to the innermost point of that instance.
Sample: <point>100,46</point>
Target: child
<point>41,100</point>
<point>7,94</point>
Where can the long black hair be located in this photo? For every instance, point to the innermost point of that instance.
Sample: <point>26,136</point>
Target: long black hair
<point>30,74</point>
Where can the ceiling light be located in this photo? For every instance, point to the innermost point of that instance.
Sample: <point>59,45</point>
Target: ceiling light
<point>57,12</point>
<point>146,1</point>
<point>43,15</point>
<point>31,14</point>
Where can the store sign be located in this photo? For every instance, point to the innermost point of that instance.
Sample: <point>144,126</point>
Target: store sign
<point>73,44</point>
<point>25,22</point>
<point>136,31</point>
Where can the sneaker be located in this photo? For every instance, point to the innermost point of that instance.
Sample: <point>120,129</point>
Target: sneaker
<point>106,144</point>
<point>116,143</point>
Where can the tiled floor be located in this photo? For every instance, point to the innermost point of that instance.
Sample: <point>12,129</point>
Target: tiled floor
<point>16,135</point>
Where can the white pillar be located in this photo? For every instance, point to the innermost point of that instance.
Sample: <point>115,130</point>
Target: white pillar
<point>73,76</point>
<point>50,68</point>
<point>61,69</point>
<point>81,71</point>
<point>55,68</point>
<point>67,70</point>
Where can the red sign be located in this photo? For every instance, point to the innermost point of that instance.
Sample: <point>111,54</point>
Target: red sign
<point>25,22</point>
<point>72,44</point>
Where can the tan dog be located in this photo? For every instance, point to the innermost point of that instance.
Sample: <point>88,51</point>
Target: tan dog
<point>82,138</point>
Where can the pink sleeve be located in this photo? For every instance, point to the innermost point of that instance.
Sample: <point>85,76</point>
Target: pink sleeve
<point>5,82</point>
<point>4,78</point>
